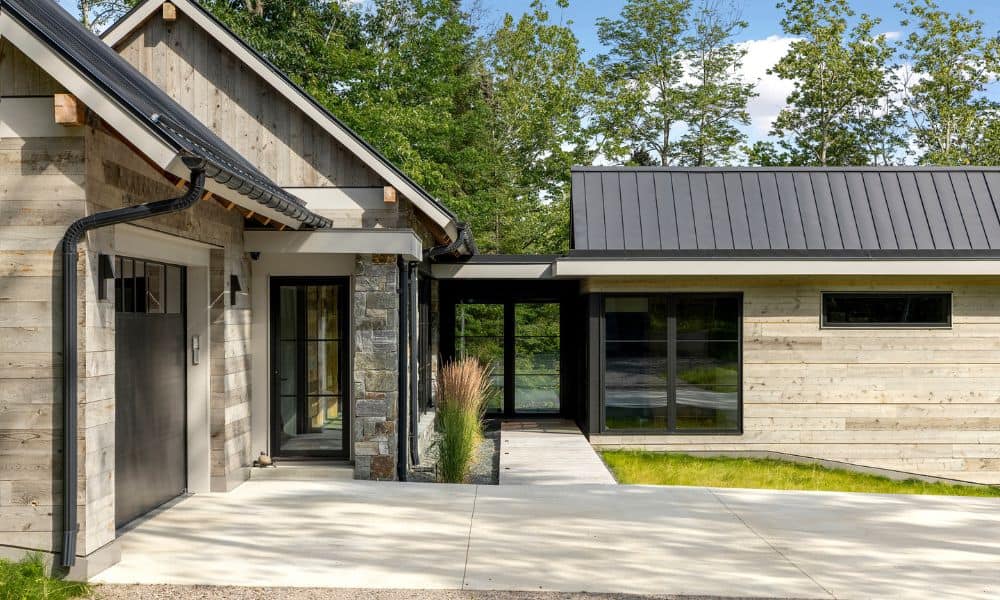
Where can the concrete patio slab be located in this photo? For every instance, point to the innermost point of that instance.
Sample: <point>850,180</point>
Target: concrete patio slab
<point>548,452</point>
<point>571,538</point>
<point>622,539</point>
<point>305,534</point>
<point>881,546</point>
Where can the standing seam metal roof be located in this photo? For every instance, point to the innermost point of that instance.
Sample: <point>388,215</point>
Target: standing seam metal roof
<point>787,211</point>
<point>179,128</point>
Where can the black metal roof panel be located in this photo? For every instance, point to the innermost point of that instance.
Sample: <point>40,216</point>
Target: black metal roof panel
<point>132,90</point>
<point>786,211</point>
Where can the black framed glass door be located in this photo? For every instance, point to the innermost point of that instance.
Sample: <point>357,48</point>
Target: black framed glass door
<point>309,397</point>
<point>521,343</point>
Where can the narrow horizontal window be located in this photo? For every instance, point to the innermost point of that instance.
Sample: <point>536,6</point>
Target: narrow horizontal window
<point>886,309</point>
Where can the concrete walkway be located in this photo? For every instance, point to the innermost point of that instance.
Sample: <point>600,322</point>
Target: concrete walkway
<point>600,538</point>
<point>548,452</point>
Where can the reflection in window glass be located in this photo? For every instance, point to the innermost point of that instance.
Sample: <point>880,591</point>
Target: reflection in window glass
<point>154,288</point>
<point>878,309</point>
<point>536,355</point>
<point>692,372</point>
<point>128,285</point>
<point>479,333</point>
<point>636,362</point>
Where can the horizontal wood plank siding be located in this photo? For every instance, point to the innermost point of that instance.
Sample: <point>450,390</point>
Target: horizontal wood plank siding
<point>925,401</point>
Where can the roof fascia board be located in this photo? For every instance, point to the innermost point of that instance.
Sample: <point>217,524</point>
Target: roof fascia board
<point>755,267</point>
<point>496,270</point>
<point>336,241</point>
<point>146,140</point>
<point>125,27</point>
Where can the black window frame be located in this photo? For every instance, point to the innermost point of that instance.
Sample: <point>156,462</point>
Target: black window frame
<point>671,429</point>
<point>825,323</point>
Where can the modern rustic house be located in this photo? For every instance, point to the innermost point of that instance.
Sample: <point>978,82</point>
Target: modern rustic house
<point>201,263</point>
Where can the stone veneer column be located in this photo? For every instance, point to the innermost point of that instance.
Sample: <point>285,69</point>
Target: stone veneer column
<point>376,332</point>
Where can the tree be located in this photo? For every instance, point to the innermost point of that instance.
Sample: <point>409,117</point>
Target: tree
<point>952,62</point>
<point>669,87</point>
<point>533,83</point>
<point>715,98</point>
<point>97,15</point>
<point>840,110</point>
<point>639,99</point>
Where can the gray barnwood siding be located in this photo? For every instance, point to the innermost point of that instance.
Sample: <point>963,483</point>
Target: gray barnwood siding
<point>240,107</point>
<point>918,400</point>
<point>45,184</point>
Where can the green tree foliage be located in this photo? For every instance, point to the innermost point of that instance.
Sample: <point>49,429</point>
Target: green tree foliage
<point>953,61</point>
<point>533,82</point>
<point>97,15</point>
<point>715,98</point>
<point>490,124</point>
<point>840,111</point>
<point>669,85</point>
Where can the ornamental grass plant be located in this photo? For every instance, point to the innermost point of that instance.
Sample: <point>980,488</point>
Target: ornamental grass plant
<point>464,390</point>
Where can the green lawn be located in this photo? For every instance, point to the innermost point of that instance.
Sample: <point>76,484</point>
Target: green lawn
<point>662,468</point>
<point>26,580</point>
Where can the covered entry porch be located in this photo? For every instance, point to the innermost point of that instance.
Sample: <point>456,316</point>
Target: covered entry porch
<point>524,325</point>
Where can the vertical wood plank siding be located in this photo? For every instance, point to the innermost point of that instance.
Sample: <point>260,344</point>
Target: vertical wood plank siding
<point>241,108</point>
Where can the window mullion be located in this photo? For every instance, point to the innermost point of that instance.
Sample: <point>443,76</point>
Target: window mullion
<point>671,363</point>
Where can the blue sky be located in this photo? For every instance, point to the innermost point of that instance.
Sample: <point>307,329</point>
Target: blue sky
<point>762,15</point>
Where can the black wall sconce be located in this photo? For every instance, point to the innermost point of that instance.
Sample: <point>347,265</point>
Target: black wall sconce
<point>234,286</point>
<point>105,271</point>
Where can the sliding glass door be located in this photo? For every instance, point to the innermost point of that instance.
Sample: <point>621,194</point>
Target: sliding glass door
<point>672,363</point>
<point>309,367</point>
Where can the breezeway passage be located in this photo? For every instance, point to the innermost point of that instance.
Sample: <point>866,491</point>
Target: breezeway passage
<point>629,539</point>
<point>548,452</point>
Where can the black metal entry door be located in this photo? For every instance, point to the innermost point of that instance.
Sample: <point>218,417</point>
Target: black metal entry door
<point>150,387</point>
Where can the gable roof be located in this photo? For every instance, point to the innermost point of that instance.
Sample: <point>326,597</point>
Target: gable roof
<point>435,210</point>
<point>877,212</point>
<point>139,110</point>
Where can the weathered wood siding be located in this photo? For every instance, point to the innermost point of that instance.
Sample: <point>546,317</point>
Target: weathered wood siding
<point>42,189</point>
<point>918,400</point>
<point>21,77</point>
<point>117,177</point>
<point>240,107</point>
<point>45,184</point>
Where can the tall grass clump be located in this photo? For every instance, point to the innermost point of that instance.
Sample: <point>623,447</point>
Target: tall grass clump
<point>464,391</point>
<point>26,580</point>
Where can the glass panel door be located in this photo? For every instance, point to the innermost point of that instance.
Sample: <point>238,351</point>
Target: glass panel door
<point>479,332</point>
<point>537,358</point>
<point>309,368</point>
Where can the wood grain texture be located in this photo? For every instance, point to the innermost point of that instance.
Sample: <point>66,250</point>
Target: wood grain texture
<point>240,107</point>
<point>924,401</point>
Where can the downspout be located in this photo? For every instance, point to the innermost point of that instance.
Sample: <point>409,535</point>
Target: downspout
<point>402,369</point>
<point>70,241</point>
<point>414,365</point>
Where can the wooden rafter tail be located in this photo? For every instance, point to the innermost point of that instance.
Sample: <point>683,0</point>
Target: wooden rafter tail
<point>180,183</point>
<point>207,196</point>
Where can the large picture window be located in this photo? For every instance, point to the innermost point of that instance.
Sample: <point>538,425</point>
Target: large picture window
<point>672,363</point>
<point>886,309</point>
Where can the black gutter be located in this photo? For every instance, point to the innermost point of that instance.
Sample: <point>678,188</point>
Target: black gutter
<point>70,241</point>
<point>464,238</point>
<point>402,367</point>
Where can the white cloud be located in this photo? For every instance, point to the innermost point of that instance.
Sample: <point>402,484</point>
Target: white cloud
<point>772,91</point>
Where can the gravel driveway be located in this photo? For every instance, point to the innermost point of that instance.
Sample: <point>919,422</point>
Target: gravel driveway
<point>169,592</point>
